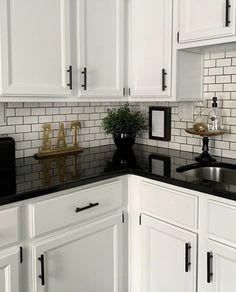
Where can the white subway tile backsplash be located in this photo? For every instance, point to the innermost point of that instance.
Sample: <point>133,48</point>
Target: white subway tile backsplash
<point>230,87</point>
<point>31,120</point>
<point>230,54</point>
<point>223,62</point>
<point>23,128</point>
<point>217,55</point>
<point>209,63</point>
<point>217,71</point>
<point>230,70</point>
<point>14,120</point>
<point>24,121</point>
<point>21,112</point>
<point>223,79</point>
<point>38,111</point>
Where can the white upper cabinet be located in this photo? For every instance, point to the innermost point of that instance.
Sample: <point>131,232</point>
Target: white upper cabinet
<point>151,47</point>
<point>206,19</point>
<point>35,47</point>
<point>100,49</point>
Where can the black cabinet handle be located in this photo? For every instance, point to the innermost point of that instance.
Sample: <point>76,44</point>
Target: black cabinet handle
<point>187,257</point>
<point>164,80</point>
<point>85,78</point>
<point>91,205</point>
<point>42,276</point>
<point>209,267</point>
<point>227,9</point>
<point>70,77</point>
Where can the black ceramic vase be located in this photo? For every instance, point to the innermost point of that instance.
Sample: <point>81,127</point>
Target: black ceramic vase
<point>123,141</point>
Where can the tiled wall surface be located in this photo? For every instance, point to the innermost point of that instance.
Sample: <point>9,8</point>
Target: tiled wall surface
<point>220,81</point>
<point>24,123</point>
<point>24,120</point>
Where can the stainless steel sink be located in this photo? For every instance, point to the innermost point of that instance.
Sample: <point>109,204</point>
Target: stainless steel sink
<point>217,172</point>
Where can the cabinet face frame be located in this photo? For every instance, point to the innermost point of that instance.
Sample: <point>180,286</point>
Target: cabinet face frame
<point>84,72</point>
<point>11,88</point>
<point>187,35</point>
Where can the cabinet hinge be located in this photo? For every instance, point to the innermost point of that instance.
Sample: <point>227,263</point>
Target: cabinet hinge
<point>178,37</point>
<point>140,220</point>
<point>123,217</point>
<point>124,91</point>
<point>21,254</point>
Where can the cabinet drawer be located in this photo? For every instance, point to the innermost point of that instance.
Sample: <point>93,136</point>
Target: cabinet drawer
<point>174,206</point>
<point>222,220</point>
<point>9,226</point>
<point>75,207</point>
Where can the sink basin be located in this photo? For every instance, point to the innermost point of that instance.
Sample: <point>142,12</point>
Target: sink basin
<point>217,172</point>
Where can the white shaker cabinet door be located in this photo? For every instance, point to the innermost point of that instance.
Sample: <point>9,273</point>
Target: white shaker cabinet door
<point>100,49</point>
<point>150,53</point>
<point>168,257</point>
<point>221,268</point>
<point>35,47</point>
<point>88,259</point>
<point>9,272</point>
<point>206,19</point>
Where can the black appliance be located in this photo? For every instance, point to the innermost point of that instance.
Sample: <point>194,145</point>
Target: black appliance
<point>7,166</point>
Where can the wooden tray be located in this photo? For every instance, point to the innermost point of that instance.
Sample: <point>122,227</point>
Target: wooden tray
<point>58,152</point>
<point>206,133</point>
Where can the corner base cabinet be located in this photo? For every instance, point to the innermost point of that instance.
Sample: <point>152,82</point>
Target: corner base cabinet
<point>86,259</point>
<point>168,257</point>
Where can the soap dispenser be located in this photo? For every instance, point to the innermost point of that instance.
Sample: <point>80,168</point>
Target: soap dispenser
<point>214,118</point>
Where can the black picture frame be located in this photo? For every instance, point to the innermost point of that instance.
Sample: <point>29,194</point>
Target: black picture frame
<point>166,123</point>
<point>163,163</point>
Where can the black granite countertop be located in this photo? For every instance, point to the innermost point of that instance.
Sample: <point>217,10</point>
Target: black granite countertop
<point>32,178</point>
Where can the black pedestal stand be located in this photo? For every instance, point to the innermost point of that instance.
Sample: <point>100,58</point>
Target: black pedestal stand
<point>205,156</point>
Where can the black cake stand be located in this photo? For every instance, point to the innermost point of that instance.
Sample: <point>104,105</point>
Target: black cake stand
<point>205,156</point>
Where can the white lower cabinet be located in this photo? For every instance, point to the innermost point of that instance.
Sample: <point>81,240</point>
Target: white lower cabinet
<point>168,257</point>
<point>86,259</point>
<point>9,271</point>
<point>221,267</point>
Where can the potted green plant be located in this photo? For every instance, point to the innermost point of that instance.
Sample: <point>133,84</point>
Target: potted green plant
<point>123,125</point>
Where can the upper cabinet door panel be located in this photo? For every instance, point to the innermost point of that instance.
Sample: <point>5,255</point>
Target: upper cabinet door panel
<point>35,47</point>
<point>101,47</point>
<point>151,31</point>
<point>206,19</point>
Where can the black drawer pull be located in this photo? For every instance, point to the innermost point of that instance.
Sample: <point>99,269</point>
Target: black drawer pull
<point>70,77</point>
<point>209,267</point>
<point>187,257</point>
<point>91,205</point>
<point>227,9</point>
<point>42,276</point>
<point>85,78</point>
<point>164,80</point>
